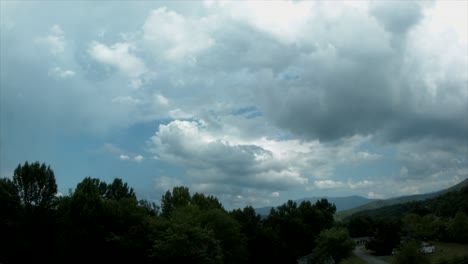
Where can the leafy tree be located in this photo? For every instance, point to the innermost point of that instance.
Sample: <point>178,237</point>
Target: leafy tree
<point>205,202</point>
<point>251,227</point>
<point>118,190</point>
<point>227,231</point>
<point>361,226</point>
<point>11,218</point>
<point>334,242</point>
<point>409,253</point>
<point>179,197</point>
<point>387,237</point>
<point>180,237</point>
<point>457,229</point>
<point>296,227</point>
<point>35,184</point>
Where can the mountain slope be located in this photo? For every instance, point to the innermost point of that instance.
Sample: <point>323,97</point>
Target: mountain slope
<point>400,200</point>
<point>447,204</point>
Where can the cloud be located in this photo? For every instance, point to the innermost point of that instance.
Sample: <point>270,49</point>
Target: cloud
<point>55,40</point>
<point>59,73</point>
<point>118,55</point>
<point>126,100</point>
<point>271,17</point>
<point>176,37</point>
<point>138,158</point>
<point>363,83</point>
<point>216,158</point>
<point>397,17</point>
<point>124,157</point>
<point>275,194</point>
<point>331,184</point>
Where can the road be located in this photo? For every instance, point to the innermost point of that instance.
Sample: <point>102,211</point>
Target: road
<point>366,257</point>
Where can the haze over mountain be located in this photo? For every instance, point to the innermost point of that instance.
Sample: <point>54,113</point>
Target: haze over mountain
<point>346,206</point>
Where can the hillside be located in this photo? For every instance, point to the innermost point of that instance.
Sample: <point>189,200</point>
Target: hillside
<point>445,203</point>
<point>399,200</point>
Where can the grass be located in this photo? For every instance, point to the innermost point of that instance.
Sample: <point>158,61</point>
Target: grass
<point>445,253</point>
<point>352,260</point>
<point>448,251</point>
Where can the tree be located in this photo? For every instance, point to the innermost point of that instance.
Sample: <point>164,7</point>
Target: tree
<point>118,190</point>
<point>180,237</point>
<point>35,184</point>
<point>457,229</point>
<point>409,253</point>
<point>387,237</point>
<point>10,221</point>
<point>334,242</point>
<point>179,197</point>
<point>206,202</point>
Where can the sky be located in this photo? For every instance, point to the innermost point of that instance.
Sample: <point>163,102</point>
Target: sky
<point>254,102</point>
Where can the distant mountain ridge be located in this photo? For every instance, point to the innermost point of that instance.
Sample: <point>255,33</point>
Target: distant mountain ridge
<point>346,206</point>
<point>399,200</point>
<point>447,202</point>
<point>341,203</point>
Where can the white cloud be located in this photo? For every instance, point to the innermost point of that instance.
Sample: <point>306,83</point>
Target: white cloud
<point>162,100</point>
<point>212,159</point>
<point>285,20</point>
<point>179,114</point>
<point>329,184</point>
<point>177,37</point>
<point>275,194</point>
<point>59,73</point>
<point>119,56</point>
<point>138,158</point>
<point>214,153</point>
<point>124,157</point>
<point>361,184</point>
<point>55,40</point>
<point>125,100</point>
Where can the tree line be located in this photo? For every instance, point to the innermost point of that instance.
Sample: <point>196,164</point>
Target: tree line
<point>99,221</point>
<point>443,218</point>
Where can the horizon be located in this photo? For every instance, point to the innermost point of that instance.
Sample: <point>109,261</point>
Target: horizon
<point>252,102</point>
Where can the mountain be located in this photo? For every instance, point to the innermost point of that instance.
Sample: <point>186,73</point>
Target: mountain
<point>349,205</point>
<point>447,203</point>
<point>341,203</point>
<point>399,200</point>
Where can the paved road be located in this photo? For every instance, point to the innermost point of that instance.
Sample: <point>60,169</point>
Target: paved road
<point>366,257</point>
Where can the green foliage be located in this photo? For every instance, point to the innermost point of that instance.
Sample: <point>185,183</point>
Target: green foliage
<point>35,184</point>
<point>206,202</point>
<point>179,197</point>
<point>334,242</point>
<point>409,253</point>
<point>185,243</point>
<point>361,226</point>
<point>101,221</point>
<point>457,229</point>
<point>387,237</point>
<point>293,229</point>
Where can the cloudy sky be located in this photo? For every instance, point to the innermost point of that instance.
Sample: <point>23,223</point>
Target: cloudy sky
<point>253,102</point>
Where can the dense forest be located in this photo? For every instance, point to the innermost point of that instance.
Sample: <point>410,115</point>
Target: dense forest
<point>106,222</point>
<point>99,221</point>
<point>442,218</point>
